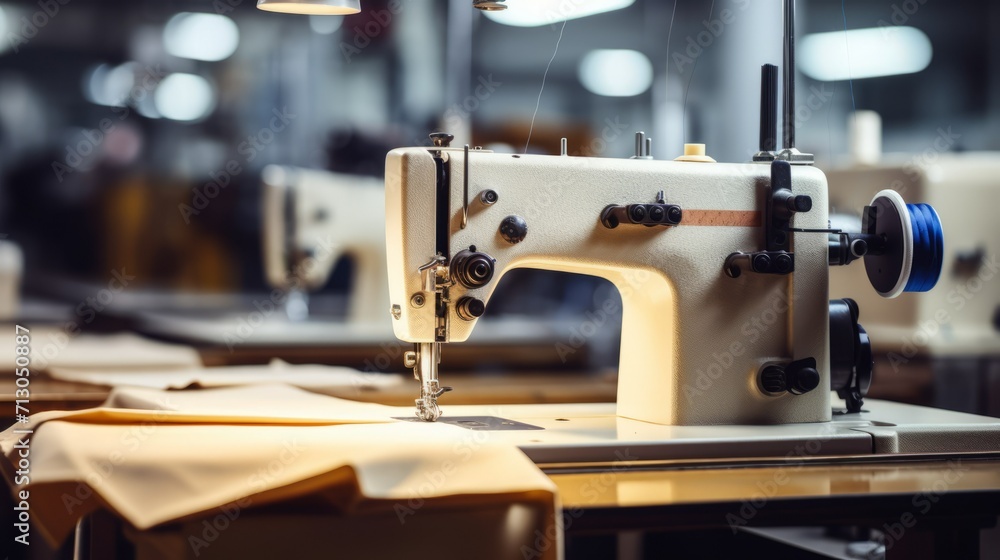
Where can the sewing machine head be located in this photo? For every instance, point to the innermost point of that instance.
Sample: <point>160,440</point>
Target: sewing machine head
<point>723,271</point>
<point>314,218</point>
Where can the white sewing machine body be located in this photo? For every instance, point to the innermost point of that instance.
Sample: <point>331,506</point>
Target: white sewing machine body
<point>959,317</point>
<point>313,219</point>
<point>694,340</point>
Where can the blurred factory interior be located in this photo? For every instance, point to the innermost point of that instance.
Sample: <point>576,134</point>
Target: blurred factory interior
<point>149,148</point>
<point>135,135</point>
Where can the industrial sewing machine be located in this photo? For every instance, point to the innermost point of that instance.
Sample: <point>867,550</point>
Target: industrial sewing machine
<point>701,252</point>
<point>723,270</point>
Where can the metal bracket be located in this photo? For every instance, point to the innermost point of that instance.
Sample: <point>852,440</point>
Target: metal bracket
<point>431,274</point>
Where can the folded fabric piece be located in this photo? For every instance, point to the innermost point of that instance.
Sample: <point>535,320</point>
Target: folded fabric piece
<point>155,457</point>
<point>305,376</point>
<point>55,348</point>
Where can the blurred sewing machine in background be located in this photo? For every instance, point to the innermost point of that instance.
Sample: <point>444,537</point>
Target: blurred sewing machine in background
<point>953,332</point>
<point>314,218</point>
<point>11,270</point>
<point>312,222</point>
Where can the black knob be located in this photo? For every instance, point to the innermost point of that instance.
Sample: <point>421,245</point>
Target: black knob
<point>783,263</point>
<point>801,380</point>
<point>637,213</point>
<point>472,270</point>
<point>787,204</point>
<point>675,214</point>
<point>513,229</point>
<point>656,213</point>
<point>441,139</point>
<point>800,203</point>
<point>470,308</point>
<point>772,380</point>
<point>761,263</point>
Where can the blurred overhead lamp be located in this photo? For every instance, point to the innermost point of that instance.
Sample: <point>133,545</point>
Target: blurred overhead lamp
<point>865,53</point>
<point>311,7</point>
<point>535,13</point>
<point>616,72</point>
<point>200,36</point>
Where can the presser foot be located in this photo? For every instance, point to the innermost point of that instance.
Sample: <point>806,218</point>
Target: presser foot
<point>427,405</point>
<point>428,410</point>
<point>424,360</point>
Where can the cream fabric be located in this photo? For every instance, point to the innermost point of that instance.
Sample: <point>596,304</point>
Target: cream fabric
<point>155,457</point>
<point>304,376</point>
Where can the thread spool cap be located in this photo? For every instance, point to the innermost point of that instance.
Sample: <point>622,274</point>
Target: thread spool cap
<point>695,153</point>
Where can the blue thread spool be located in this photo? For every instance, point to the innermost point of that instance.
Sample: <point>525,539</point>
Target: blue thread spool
<point>914,252</point>
<point>928,248</point>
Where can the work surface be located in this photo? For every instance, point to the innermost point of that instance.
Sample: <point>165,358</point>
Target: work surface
<point>570,430</point>
<point>526,388</point>
<point>629,474</point>
<point>579,432</point>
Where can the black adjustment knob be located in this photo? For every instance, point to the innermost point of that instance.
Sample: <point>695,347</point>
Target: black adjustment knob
<point>800,203</point>
<point>787,204</point>
<point>772,380</point>
<point>472,269</point>
<point>761,263</point>
<point>470,308</point>
<point>441,139</point>
<point>803,381</point>
<point>783,263</point>
<point>513,229</point>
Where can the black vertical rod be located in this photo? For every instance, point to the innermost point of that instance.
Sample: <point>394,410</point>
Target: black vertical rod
<point>789,75</point>
<point>768,108</point>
